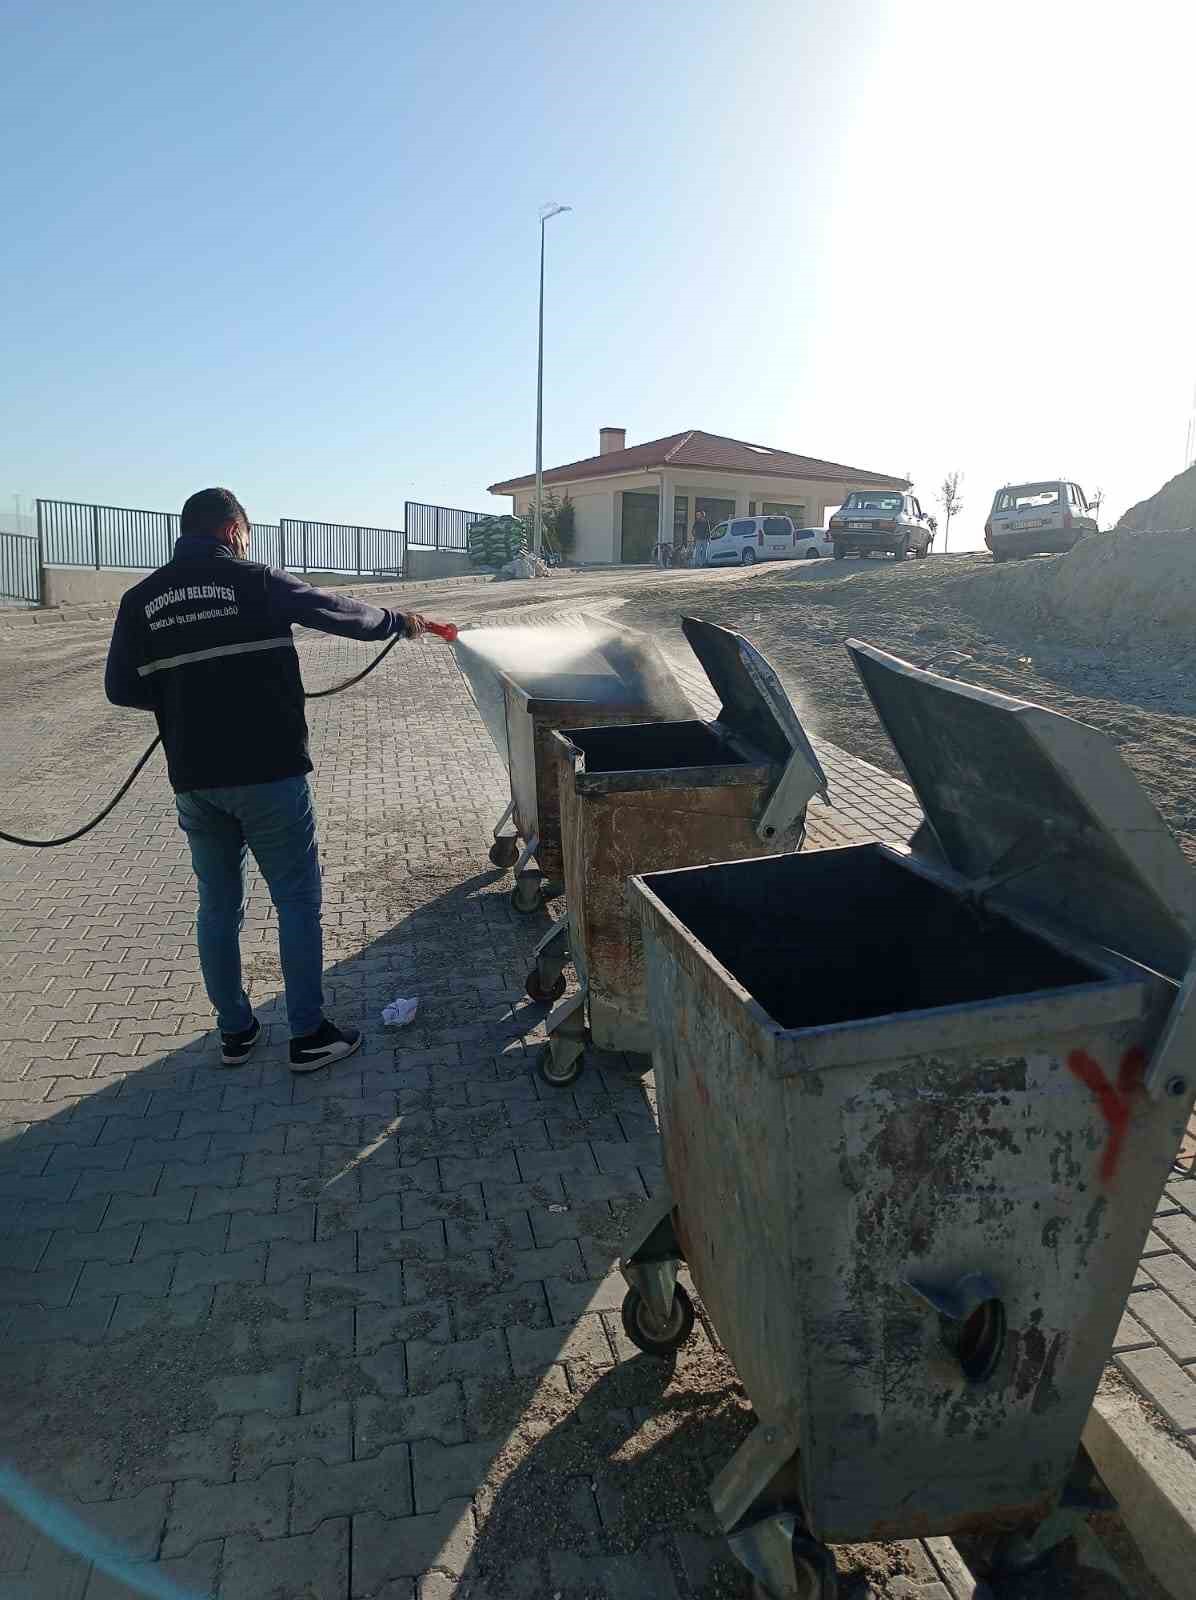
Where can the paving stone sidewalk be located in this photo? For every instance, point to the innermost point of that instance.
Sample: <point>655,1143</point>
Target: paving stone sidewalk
<point>354,1336</point>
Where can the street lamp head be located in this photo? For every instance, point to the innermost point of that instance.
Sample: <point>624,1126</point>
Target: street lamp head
<point>552,210</point>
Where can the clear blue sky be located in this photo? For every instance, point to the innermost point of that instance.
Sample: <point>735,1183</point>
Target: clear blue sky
<point>292,247</point>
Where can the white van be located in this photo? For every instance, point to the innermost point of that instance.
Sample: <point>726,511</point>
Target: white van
<point>740,541</point>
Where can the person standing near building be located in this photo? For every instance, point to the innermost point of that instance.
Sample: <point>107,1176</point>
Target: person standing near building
<point>699,535</point>
<point>205,644</point>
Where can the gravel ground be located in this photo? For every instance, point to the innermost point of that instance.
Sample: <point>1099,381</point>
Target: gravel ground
<point>1142,694</point>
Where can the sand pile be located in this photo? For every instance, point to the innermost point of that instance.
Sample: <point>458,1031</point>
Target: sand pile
<point>1112,587</point>
<point>1174,506</point>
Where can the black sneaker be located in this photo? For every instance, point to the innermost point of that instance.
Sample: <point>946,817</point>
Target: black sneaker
<point>327,1043</point>
<point>236,1048</point>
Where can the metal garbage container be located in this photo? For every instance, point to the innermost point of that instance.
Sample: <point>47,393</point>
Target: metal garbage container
<point>641,798</point>
<point>616,675</point>
<point>916,1115</point>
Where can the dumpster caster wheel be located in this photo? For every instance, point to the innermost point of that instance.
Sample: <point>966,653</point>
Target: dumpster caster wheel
<point>1014,1556</point>
<point>649,1336</point>
<point>814,1564</point>
<point>814,1575</point>
<point>537,992</point>
<point>504,852</point>
<point>559,1075</point>
<point>526,897</point>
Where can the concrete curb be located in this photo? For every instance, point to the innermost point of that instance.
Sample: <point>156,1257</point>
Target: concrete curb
<point>417,585</point>
<point>37,616</point>
<point>106,612</point>
<point>1153,1477</point>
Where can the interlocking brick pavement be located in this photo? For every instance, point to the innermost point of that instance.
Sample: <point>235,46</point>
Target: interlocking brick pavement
<point>254,1322</point>
<point>313,1337</point>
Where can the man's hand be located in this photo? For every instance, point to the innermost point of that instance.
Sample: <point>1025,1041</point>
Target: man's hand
<point>414,624</point>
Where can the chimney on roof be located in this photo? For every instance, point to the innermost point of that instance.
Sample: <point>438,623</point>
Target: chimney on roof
<point>611,439</point>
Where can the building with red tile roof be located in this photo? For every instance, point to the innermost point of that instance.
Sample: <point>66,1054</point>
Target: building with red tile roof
<point>628,498</point>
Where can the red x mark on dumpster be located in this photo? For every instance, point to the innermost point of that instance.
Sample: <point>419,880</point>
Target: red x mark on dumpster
<point>1113,1099</point>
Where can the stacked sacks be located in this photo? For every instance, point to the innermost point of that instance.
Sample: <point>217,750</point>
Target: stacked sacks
<point>494,541</point>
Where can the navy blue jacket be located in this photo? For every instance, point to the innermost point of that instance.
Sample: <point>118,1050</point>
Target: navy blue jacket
<point>205,644</point>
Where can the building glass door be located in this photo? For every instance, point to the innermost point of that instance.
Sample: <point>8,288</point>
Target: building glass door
<point>640,520</point>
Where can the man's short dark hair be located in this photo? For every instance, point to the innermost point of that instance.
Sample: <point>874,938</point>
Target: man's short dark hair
<point>209,510</point>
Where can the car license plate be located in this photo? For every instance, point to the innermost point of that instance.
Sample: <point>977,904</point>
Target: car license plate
<point>1036,523</point>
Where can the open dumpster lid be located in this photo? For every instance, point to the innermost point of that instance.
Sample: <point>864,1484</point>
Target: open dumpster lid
<point>638,660</point>
<point>755,703</point>
<point>1038,810</point>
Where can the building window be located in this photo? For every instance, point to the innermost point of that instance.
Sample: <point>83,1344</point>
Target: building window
<point>680,517</point>
<point>716,510</point>
<point>776,509</point>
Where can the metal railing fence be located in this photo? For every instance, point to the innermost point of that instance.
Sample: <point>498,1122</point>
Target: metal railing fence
<point>264,543</point>
<point>340,547</point>
<point>72,533</point>
<point>439,527</point>
<point>75,534</point>
<point>20,570</point>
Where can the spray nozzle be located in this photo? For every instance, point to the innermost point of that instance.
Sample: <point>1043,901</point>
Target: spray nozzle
<point>443,630</point>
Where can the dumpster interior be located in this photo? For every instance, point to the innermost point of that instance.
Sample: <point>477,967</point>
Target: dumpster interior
<point>654,747</point>
<point>585,665</point>
<point>604,688</point>
<point>840,936</point>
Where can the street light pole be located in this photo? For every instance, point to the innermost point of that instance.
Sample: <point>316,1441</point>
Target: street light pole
<point>546,212</point>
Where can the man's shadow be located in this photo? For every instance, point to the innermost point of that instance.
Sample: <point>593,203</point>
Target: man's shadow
<point>93,1321</point>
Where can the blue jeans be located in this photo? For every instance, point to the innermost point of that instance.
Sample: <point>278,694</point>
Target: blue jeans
<point>277,821</point>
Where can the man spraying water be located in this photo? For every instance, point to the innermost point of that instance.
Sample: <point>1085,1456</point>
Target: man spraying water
<point>205,644</point>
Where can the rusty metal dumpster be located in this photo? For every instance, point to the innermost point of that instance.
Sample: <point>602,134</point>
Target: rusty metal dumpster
<point>617,675</point>
<point>916,1114</point>
<point>640,798</point>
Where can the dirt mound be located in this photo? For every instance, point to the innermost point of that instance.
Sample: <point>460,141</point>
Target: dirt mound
<point>1112,587</point>
<point>1105,662</point>
<point>1173,507</point>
